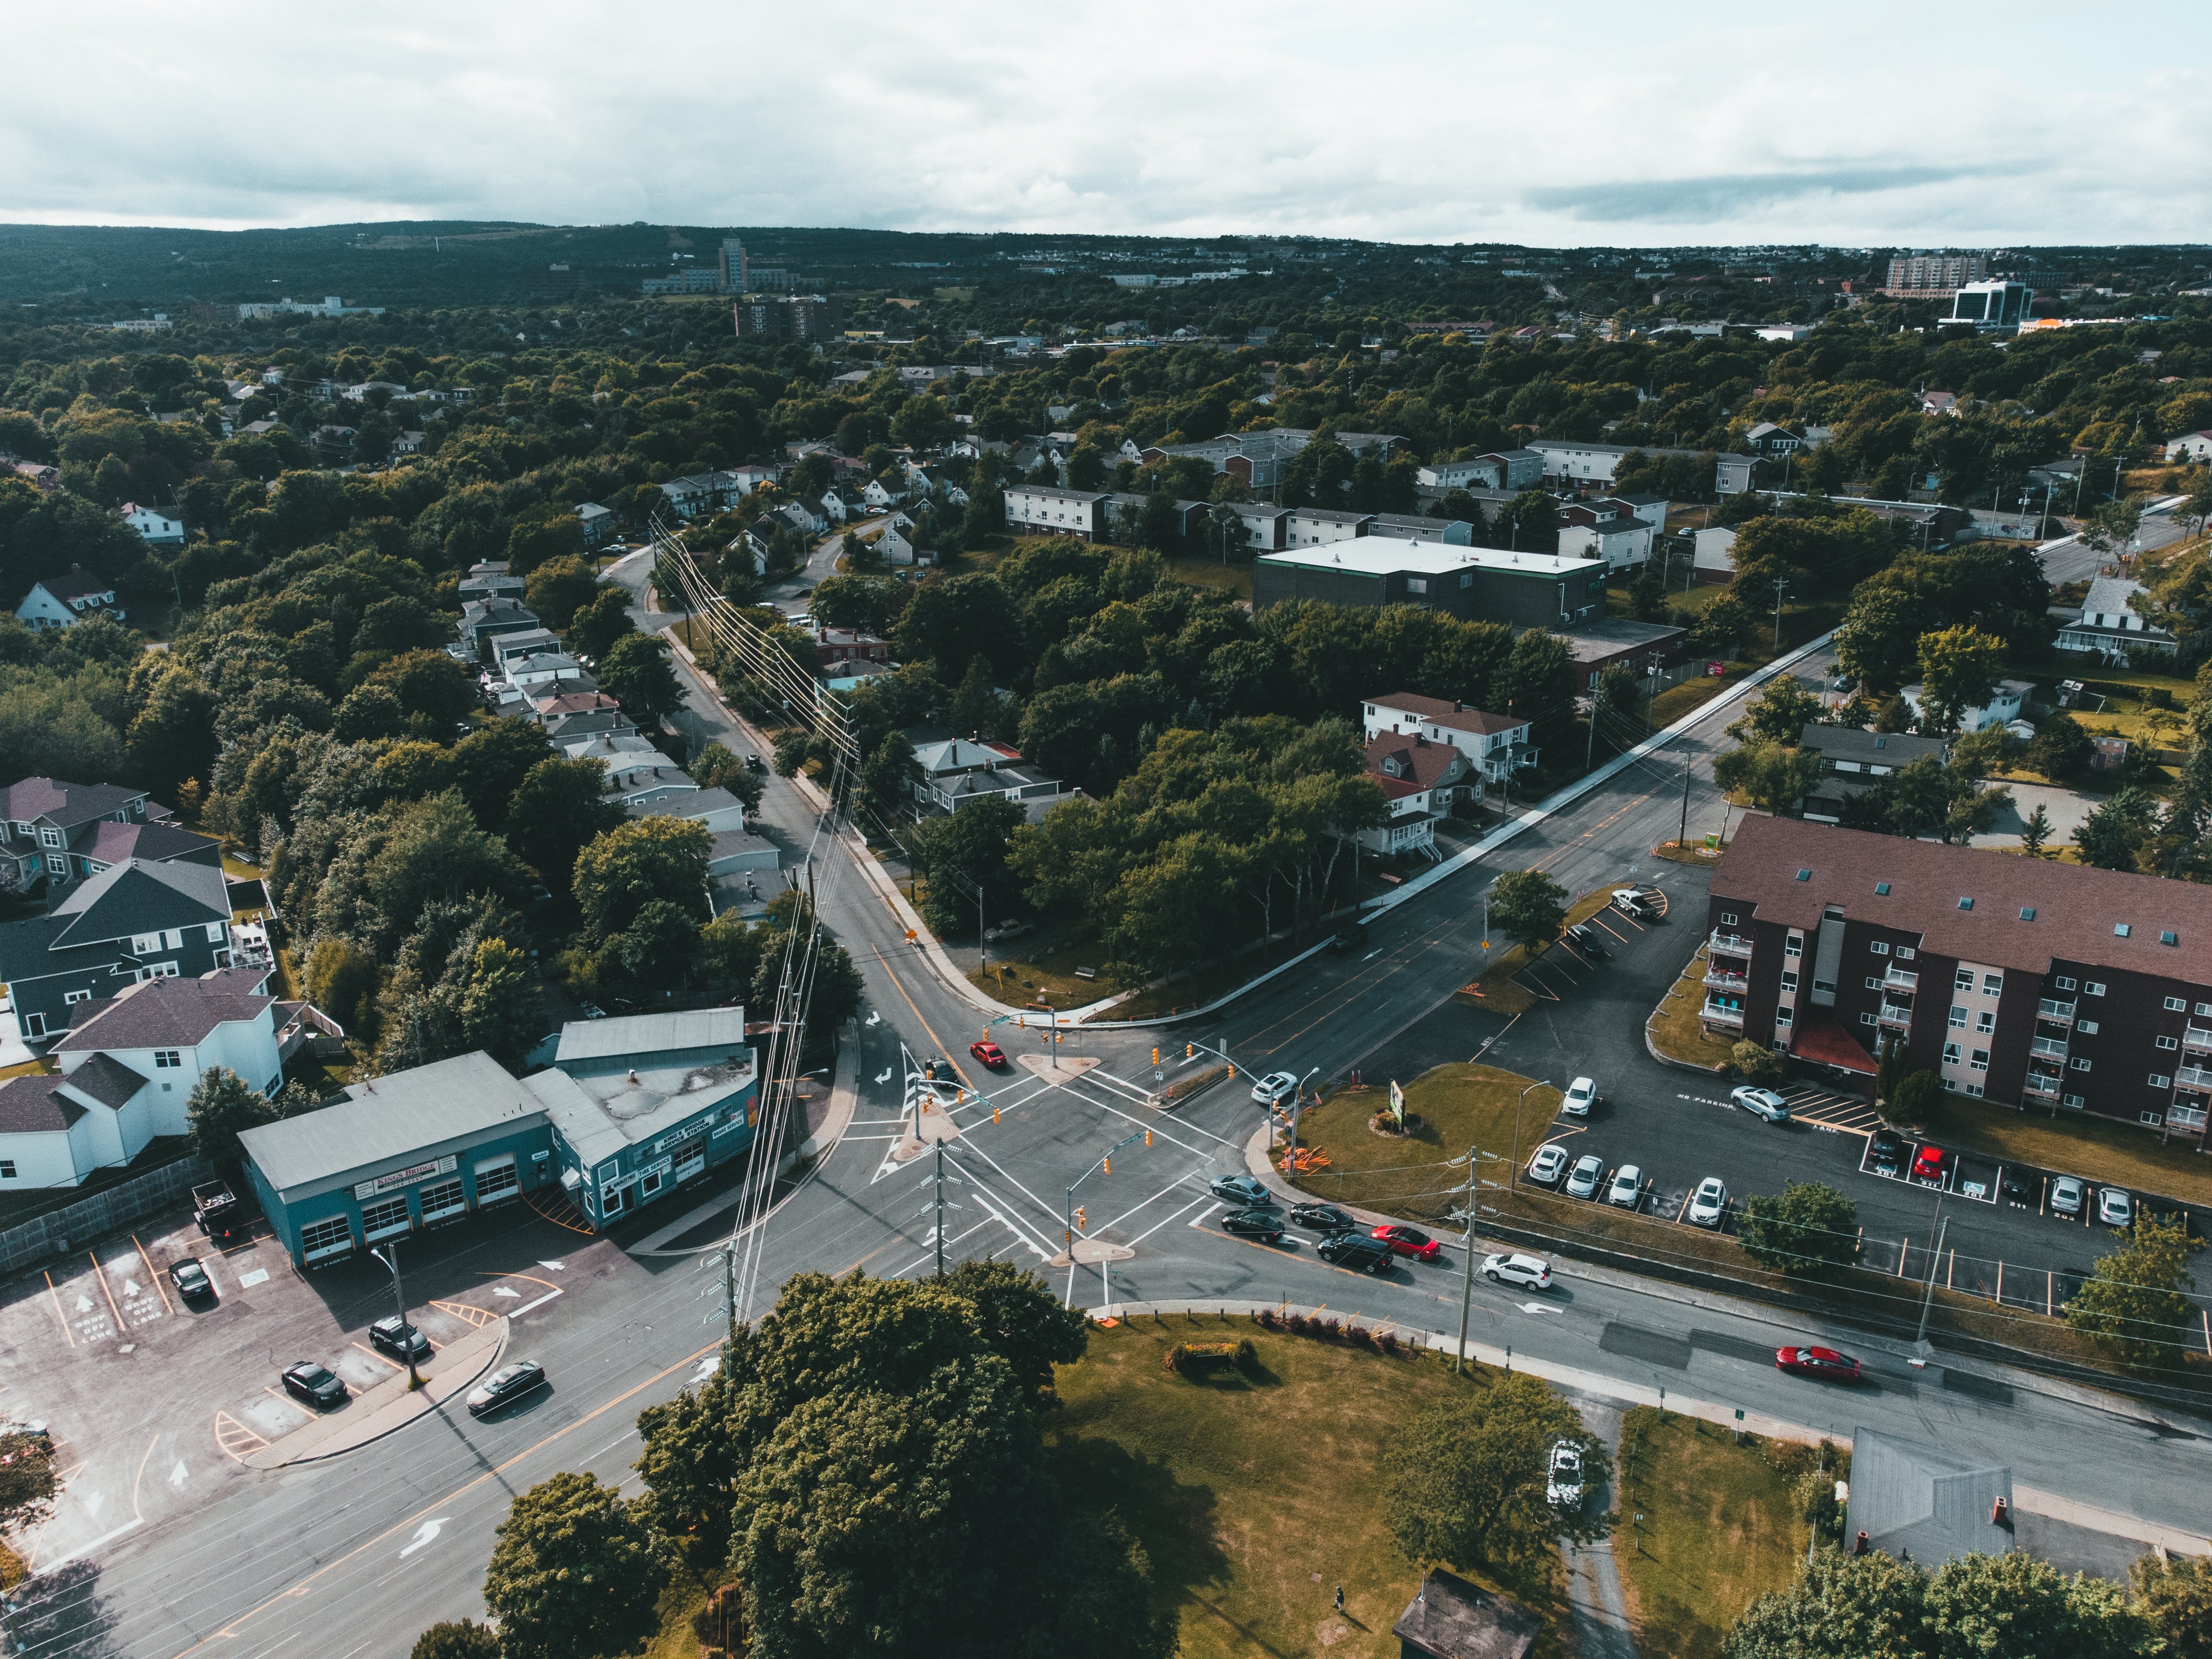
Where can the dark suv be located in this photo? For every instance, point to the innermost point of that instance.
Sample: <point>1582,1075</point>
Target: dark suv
<point>1885,1153</point>
<point>1356,1251</point>
<point>396,1336</point>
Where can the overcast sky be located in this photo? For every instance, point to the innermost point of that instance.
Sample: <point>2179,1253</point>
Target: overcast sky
<point>1597,123</point>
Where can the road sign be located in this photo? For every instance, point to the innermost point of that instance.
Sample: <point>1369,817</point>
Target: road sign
<point>1716,669</point>
<point>1397,1102</point>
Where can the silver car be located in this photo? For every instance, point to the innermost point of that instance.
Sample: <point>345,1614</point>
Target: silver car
<point>1588,1170</point>
<point>1628,1188</point>
<point>2114,1207</point>
<point>2066,1195</point>
<point>1760,1103</point>
<point>1709,1203</point>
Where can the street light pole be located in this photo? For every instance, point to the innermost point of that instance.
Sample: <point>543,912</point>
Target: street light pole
<point>399,1296</point>
<point>1513,1175</point>
<point>1467,1247</point>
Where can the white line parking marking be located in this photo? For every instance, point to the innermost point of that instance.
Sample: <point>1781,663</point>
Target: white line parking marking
<point>259,1276</point>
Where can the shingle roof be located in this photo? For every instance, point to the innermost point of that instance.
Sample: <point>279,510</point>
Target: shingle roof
<point>112,843</point>
<point>65,803</point>
<point>1933,1503</point>
<point>169,1013</point>
<point>1870,747</point>
<point>1455,717</point>
<point>77,585</point>
<point>2077,909</point>
<point>107,1080</point>
<point>136,896</point>
<point>34,1105</point>
<point>1420,762</point>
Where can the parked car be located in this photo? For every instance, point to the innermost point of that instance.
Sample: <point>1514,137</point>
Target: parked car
<point>1760,1103</point>
<point>1529,1272</point>
<point>1548,1165</point>
<point>1825,1363</point>
<point>1349,938</point>
<point>191,1280</point>
<point>1581,1096</point>
<point>1564,1485</point>
<point>1358,1251</point>
<point>1885,1152</point>
<point>990,1053</point>
<point>312,1383</point>
<point>1010,928</point>
<point>2017,1185</point>
<point>1582,1179</point>
<point>755,763</point>
<point>1586,942</point>
<point>2114,1209</point>
<point>2066,1195</point>
<point>504,1386</point>
<point>1709,1203</point>
<point>396,1336</point>
<point>1321,1219</point>
<point>1408,1241</point>
<point>1255,1223</point>
<point>1635,903</point>
<point>1628,1188</point>
<point>1241,1190</point>
<point>1275,1088</point>
<point>1928,1163</point>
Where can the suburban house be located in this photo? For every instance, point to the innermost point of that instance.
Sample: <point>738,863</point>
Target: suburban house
<point>1606,531</point>
<point>65,601</point>
<point>879,496</point>
<point>957,771</point>
<point>1481,472</point>
<point>894,546</point>
<point>1925,1503</point>
<point>155,528</point>
<point>490,578</point>
<point>45,478</point>
<point>137,921</point>
<point>1583,460</point>
<point>1939,402</point>
<point>1413,527</point>
<point>1493,744</point>
<point>836,648</point>
<point>1257,457</point>
<point>1411,826</point>
<point>2022,980</point>
<point>1048,510</point>
<point>542,668</point>
<point>1652,509</point>
<point>510,648</point>
<point>1452,1618</point>
<point>1772,441</point>
<point>1529,590</point>
<point>1715,558</point>
<point>65,832</point>
<point>2190,447</point>
<point>2109,627</point>
<point>701,493</point>
<point>1420,780</point>
<point>2003,708</point>
<point>484,619</point>
<point>1852,757</point>
<point>598,524</point>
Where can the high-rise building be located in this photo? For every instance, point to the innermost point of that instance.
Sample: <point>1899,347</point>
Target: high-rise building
<point>1935,273</point>
<point>730,268</point>
<point>797,317</point>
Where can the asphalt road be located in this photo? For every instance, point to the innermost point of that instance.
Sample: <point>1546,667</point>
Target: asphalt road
<point>353,1557</point>
<point>2070,559</point>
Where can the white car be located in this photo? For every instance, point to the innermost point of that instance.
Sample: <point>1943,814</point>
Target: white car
<point>1581,1096</point>
<point>2066,1195</point>
<point>1565,1485</point>
<point>1548,1165</point>
<point>2114,1208</point>
<point>1628,1188</point>
<point>1709,1203</point>
<point>1760,1103</point>
<point>1274,1087</point>
<point>1531,1273</point>
<point>1588,1170</point>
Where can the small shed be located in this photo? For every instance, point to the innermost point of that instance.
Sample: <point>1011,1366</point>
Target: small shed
<point>1451,1618</point>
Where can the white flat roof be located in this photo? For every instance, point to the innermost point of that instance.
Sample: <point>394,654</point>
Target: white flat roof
<point>1379,556</point>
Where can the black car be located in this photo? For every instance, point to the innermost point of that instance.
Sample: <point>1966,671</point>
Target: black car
<point>504,1386</point>
<point>1586,942</point>
<point>2017,1186</point>
<point>1321,1219</point>
<point>1255,1223</point>
<point>1357,1251</point>
<point>1885,1153</point>
<point>1348,938</point>
<point>396,1336</point>
<point>192,1279</point>
<point>314,1383</point>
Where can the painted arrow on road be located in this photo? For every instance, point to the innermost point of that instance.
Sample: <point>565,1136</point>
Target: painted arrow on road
<point>1537,1307</point>
<point>425,1534</point>
<point>177,1476</point>
<point>556,1265</point>
<point>884,1076</point>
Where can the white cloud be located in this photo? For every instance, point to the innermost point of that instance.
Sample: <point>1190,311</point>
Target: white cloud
<point>1601,124</point>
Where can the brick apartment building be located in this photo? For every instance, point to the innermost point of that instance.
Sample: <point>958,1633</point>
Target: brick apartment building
<point>2022,981</point>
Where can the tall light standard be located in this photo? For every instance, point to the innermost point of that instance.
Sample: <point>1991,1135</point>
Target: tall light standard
<point>399,1297</point>
<point>1513,1176</point>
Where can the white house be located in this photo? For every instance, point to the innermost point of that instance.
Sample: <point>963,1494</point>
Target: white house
<point>156,529</point>
<point>65,601</point>
<point>1495,743</point>
<point>1048,510</point>
<point>878,495</point>
<point>893,547</point>
<point>1411,826</point>
<point>128,1065</point>
<point>2001,709</point>
<point>2190,447</point>
<point>1715,559</point>
<point>1480,472</point>
<point>1622,543</point>
<point>834,510</point>
<point>2109,626</point>
<point>1317,527</point>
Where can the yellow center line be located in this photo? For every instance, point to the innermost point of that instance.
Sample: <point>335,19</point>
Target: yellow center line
<point>151,1274</point>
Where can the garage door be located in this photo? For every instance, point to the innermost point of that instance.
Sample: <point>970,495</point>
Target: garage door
<point>444,1199</point>
<point>495,1179</point>
<point>321,1240</point>
<point>386,1219</point>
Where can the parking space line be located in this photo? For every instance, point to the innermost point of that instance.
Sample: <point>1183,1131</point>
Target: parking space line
<point>58,1314</point>
<point>110,1294</point>
<point>373,1354</point>
<point>1600,920</point>
<point>152,1276</point>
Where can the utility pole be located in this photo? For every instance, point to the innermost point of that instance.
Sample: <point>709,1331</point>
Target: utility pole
<point>1942,1232</point>
<point>399,1296</point>
<point>1781,586</point>
<point>1467,1247</point>
<point>1683,835</point>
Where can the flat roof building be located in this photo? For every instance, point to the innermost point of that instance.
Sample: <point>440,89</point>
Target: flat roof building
<point>1528,590</point>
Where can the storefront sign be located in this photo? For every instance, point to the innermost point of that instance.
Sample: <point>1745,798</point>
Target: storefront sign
<point>384,1183</point>
<point>690,1132</point>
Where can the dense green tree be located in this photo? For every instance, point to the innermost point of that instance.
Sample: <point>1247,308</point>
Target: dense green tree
<point>596,625</point>
<point>1842,1606</point>
<point>965,854</point>
<point>221,1104</point>
<point>557,810</point>
<point>637,863</point>
<point>502,1011</point>
<point>1022,1322</point>
<point>636,673</point>
<point>1528,908</point>
<point>1772,777</point>
<point>573,1575</point>
<point>1958,669</point>
<point>2173,1597</point>
<point>1810,1228</point>
<point>1781,712</point>
<point>1917,1097</point>
<point>457,1639</point>
<point>2133,1301</point>
<point>2116,830</point>
<point>559,588</point>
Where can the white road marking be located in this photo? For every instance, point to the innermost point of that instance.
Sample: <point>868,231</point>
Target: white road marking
<point>1371,955</point>
<point>556,1266</point>
<point>1538,1307</point>
<point>876,1019</point>
<point>177,1476</point>
<point>502,1290</point>
<point>426,1534</point>
<point>130,1289</point>
<point>707,1367</point>
<point>1157,1225</point>
<point>884,1076</point>
<point>259,1276</point>
<point>527,1306</point>
<point>83,1303</point>
<point>1203,1216</point>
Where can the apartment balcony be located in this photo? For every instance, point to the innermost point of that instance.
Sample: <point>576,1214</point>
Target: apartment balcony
<point>2043,1085</point>
<point>1729,945</point>
<point>2049,1048</point>
<point>2193,1077</point>
<point>2196,1039</point>
<point>1721,979</point>
<point>1720,1014</point>
<point>2061,1013</point>
<point>1897,979</point>
<point>1897,1015</point>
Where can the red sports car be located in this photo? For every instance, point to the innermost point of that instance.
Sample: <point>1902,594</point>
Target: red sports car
<point>1408,1241</point>
<point>1825,1363</point>
<point>989,1053</point>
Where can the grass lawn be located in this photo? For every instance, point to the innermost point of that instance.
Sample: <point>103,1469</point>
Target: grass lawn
<point>1042,965</point>
<point>1201,572</point>
<point>1257,1497</point>
<point>1720,1529</point>
<point>239,869</point>
<point>1499,993</point>
<point>1696,853</point>
<point>1200,986</point>
<point>1459,1106</point>
<point>1694,694</point>
<point>1673,1027</point>
<point>2098,1148</point>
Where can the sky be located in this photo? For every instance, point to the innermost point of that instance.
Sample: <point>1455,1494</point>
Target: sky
<point>1628,126</point>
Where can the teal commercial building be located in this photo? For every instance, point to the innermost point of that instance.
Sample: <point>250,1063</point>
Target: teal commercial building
<point>630,1110</point>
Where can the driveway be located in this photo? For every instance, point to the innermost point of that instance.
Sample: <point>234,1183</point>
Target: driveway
<point>2066,809</point>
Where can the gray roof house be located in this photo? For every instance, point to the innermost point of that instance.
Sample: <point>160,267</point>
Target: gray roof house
<point>138,920</point>
<point>1921,1502</point>
<point>957,771</point>
<point>2109,627</point>
<point>1851,759</point>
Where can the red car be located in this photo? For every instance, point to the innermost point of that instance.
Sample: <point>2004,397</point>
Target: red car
<point>1408,1241</point>
<point>1825,1363</point>
<point>1928,1163</point>
<point>989,1053</point>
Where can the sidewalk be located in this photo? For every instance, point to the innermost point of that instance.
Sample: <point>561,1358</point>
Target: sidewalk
<point>388,1407</point>
<point>2051,1506</point>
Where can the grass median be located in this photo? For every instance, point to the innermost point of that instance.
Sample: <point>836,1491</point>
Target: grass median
<point>1673,1027</point>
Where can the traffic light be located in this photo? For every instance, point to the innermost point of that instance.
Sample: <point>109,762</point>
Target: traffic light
<point>1079,1223</point>
<point>1156,1053</point>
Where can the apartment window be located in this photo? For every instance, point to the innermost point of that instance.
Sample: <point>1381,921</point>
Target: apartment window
<point>168,1058</point>
<point>6,1168</point>
<point>2079,1064</point>
<point>1789,981</point>
<point>1823,987</point>
<point>1414,584</point>
<point>1992,984</point>
<point>1959,1015</point>
<point>2176,1005</point>
<point>1795,947</point>
<point>144,943</point>
<point>2084,1027</point>
<point>2169,1043</point>
<point>1880,888</point>
<point>1866,1019</point>
<point>50,838</point>
<point>1950,1054</point>
<point>2160,1080</point>
<point>1873,984</point>
<point>2205,1009</point>
<point>2063,983</point>
<point>215,932</point>
<point>2028,913</point>
<point>1980,1062</point>
<point>1784,1016</point>
<point>2077,1102</point>
<point>71,998</point>
<point>1879,948</point>
<point>1905,953</point>
<point>2094,988</point>
<point>1973,1092</point>
<point>1985,1021</point>
<point>1728,918</point>
<point>1963,980</point>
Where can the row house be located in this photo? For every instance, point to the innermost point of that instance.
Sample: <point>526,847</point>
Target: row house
<point>1046,510</point>
<point>2018,981</point>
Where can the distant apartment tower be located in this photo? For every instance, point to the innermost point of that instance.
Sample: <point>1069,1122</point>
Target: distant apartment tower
<point>792,317</point>
<point>730,269</point>
<point>1922,274</point>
